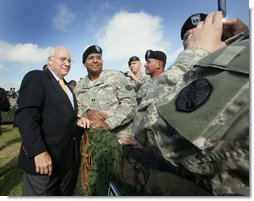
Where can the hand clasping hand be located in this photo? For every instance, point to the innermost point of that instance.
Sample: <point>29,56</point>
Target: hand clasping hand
<point>84,122</point>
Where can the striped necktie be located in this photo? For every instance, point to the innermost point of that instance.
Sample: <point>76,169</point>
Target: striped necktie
<point>61,82</point>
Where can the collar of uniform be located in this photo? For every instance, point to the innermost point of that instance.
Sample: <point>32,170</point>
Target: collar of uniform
<point>91,83</point>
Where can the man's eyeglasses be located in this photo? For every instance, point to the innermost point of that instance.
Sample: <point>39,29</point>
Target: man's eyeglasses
<point>63,59</point>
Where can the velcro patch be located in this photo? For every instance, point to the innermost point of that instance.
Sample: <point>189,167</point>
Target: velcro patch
<point>128,87</point>
<point>193,96</point>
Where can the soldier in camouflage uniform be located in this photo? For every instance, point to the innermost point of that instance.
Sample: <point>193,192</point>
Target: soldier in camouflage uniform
<point>164,84</point>
<point>108,100</point>
<point>105,96</point>
<point>202,125</point>
<point>146,172</point>
<point>154,67</point>
<point>136,77</point>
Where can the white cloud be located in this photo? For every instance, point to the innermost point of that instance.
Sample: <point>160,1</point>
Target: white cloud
<point>4,48</point>
<point>22,54</point>
<point>128,34</point>
<point>10,84</point>
<point>63,19</point>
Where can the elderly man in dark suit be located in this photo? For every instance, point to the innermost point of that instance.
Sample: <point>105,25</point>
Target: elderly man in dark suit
<point>4,104</point>
<point>46,117</point>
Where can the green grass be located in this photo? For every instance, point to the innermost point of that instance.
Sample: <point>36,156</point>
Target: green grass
<point>10,174</point>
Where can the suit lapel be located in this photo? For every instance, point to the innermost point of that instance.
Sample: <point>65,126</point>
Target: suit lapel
<point>60,92</point>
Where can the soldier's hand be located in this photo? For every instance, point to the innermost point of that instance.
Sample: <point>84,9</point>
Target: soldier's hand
<point>132,76</point>
<point>130,141</point>
<point>84,122</point>
<point>101,124</point>
<point>94,115</point>
<point>43,163</point>
<point>207,34</point>
<point>234,27</point>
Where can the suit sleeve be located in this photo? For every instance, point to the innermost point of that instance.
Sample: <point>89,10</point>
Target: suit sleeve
<point>27,118</point>
<point>127,104</point>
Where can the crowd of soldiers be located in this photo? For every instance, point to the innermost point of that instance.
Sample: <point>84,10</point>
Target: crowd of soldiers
<point>190,130</point>
<point>181,131</point>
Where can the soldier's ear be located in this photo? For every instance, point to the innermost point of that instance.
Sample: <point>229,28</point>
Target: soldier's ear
<point>160,64</point>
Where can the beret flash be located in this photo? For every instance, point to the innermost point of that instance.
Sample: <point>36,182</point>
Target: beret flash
<point>91,49</point>
<point>192,22</point>
<point>159,55</point>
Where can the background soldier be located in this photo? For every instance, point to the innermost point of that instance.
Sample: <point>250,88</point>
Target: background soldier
<point>137,78</point>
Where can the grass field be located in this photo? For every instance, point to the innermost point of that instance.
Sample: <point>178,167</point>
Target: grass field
<point>10,174</point>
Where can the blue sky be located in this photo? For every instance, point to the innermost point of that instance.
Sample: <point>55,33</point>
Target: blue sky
<point>121,27</point>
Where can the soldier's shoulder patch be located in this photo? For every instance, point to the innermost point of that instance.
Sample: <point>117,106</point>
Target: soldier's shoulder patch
<point>128,87</point>
<point>193,95</point>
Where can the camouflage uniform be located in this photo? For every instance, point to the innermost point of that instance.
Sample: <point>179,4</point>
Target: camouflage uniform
<point>160,91</point>
<point>113,94</point>
<point>143,79</point>
<point>147,173</point>
<point>167,81</point>
<point>110,93</point>
<point>204,127</point>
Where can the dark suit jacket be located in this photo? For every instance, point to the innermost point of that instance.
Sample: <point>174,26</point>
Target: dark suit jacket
<point>46,121</point>
<point>4,102</point>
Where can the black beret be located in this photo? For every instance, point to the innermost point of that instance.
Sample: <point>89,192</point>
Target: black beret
<point>133,58</point>
<point>91,49</point>
<point>159,55</point>
<point>192,22</point>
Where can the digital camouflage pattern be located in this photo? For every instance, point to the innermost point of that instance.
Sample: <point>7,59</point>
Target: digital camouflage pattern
<point>110,93</point>
<point>143,79</point>
<point>168,80</point>
<point>155,82</point>
<point>160,91</point>
<point>213,139</point>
